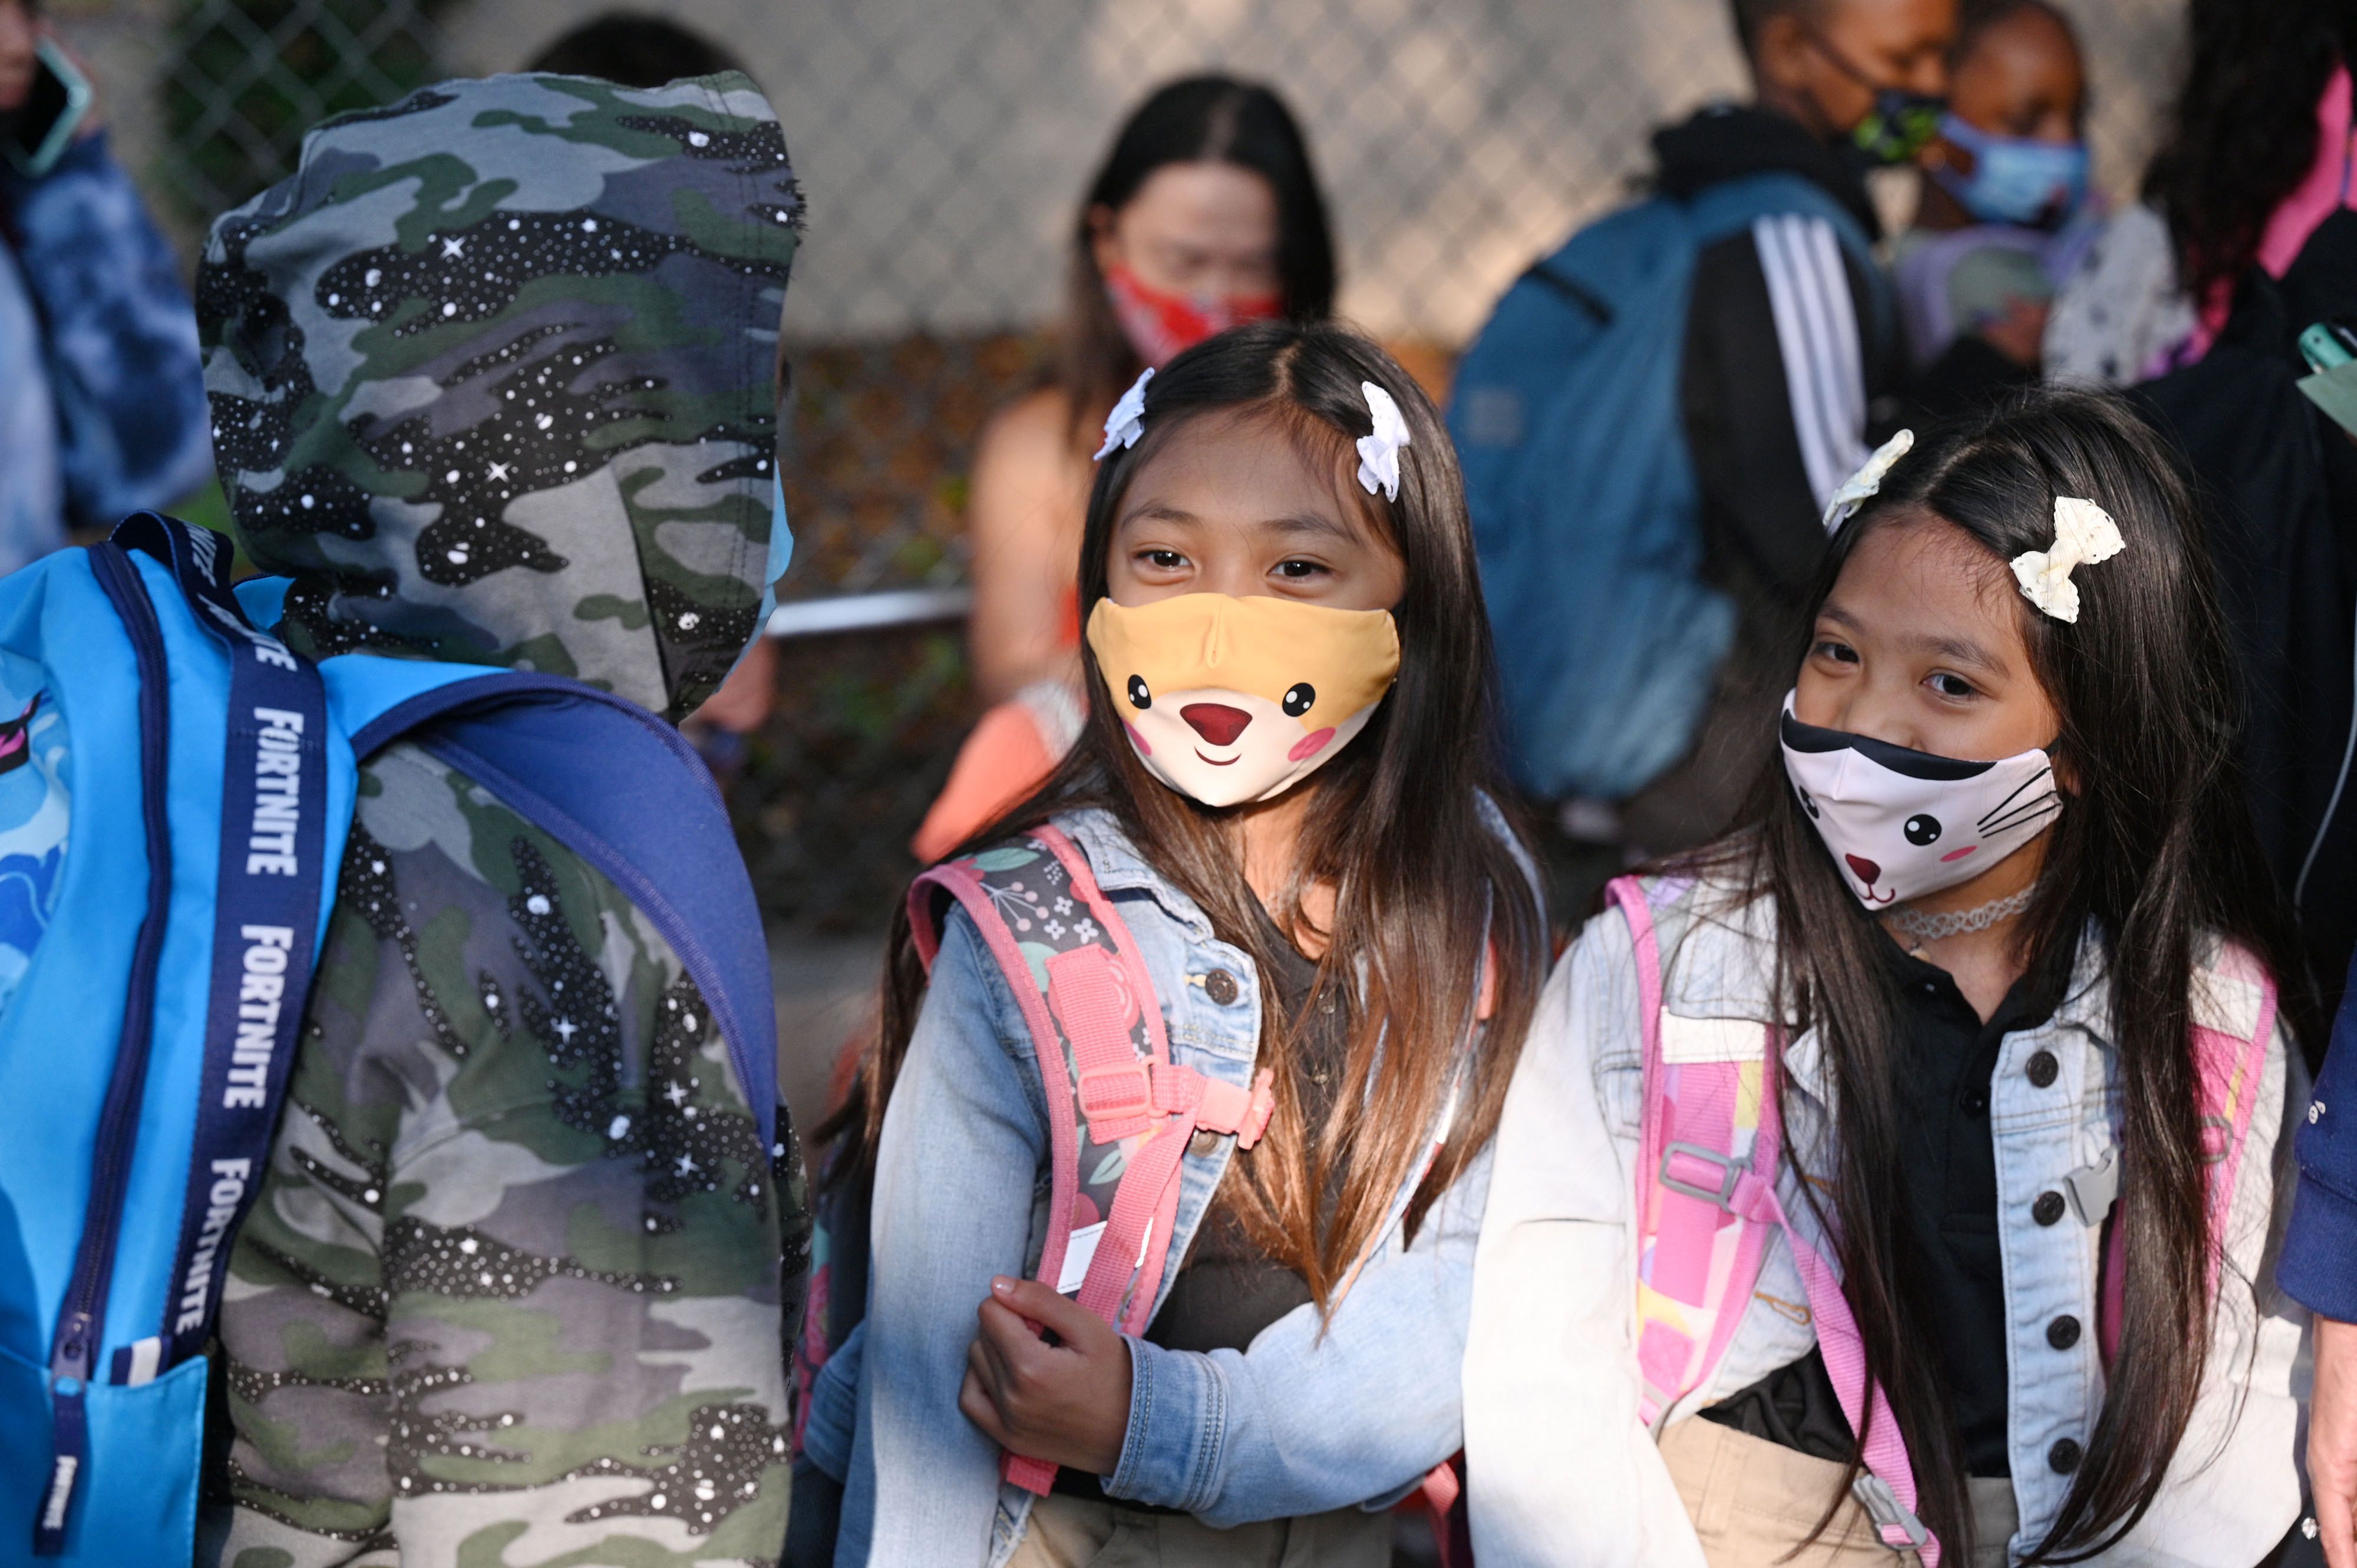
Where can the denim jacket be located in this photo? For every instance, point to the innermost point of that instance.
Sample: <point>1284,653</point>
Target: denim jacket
<point>1302,1422</point>
<point>1562,1471</point>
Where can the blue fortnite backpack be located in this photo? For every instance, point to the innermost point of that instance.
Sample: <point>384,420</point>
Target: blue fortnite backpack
<point>145,1050</point>
<point>1587,511</point>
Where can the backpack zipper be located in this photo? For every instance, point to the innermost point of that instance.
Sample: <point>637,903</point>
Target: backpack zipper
<point>82,1318</point>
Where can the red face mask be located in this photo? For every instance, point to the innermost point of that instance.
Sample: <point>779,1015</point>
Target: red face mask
<point>1161,325</point>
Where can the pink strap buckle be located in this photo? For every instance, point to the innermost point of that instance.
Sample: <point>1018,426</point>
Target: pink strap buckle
<point>1112,1096</point>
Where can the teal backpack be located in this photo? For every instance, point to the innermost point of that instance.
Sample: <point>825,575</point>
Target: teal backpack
<point>144,1051</point>
<point>1586,511</point>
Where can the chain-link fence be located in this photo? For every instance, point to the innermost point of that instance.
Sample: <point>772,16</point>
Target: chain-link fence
<point>943,147</point>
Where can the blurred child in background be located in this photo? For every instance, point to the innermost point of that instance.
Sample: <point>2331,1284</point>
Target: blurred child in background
<point>102,397</point>
<point>1205,214</point>
<point>2003,185</point>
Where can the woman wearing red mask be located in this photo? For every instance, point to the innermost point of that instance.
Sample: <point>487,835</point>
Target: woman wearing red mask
<point>1206,214</point>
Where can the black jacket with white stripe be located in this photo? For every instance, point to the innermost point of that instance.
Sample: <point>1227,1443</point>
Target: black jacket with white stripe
<point>1783,364</point>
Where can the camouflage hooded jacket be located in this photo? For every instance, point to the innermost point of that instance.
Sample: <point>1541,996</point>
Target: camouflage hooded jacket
<point>493,379</point>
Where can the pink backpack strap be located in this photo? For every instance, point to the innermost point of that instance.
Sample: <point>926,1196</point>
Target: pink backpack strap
<point>1705,1178</point>
<point>2233,1020</point>
<point>1120,1113</point>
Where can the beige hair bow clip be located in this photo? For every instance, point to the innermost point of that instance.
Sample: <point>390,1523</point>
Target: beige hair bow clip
<point>2084,533</point>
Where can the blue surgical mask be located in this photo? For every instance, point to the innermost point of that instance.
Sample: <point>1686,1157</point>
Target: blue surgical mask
<point>782,555</point>
<point>2015,181</point>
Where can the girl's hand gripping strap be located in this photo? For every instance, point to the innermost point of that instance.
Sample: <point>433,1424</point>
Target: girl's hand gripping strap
<point>1701,1169</point>
<point>1120,1113</point>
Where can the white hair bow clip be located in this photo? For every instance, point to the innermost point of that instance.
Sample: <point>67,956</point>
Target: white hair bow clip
<point>2083,534</point>
<point>1379,453</point>
<point>1861,487</point>
<point>1126,423</point>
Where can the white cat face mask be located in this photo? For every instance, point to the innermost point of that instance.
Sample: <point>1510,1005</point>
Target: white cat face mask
<point>1902,824</point>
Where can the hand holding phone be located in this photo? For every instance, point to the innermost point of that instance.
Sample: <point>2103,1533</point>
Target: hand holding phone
<point>36,135</point>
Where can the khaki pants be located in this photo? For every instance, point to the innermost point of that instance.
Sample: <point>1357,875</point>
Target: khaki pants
<point>1076,1533</point>
<point>1753,1501</point>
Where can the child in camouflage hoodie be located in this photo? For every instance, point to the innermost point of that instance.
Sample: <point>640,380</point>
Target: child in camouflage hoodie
<point>493,379</point>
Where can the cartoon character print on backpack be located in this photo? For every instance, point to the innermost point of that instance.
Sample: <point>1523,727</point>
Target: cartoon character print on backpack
<point>35,808</point>
<point>1213,707</point>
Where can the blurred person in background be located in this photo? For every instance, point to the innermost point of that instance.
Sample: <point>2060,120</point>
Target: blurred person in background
<point>2257,181</point>
<point>1206,214</point>
<point>2004,201</point>
<point>1657,418</point>
<point>633,48</point>
<point>102,397</point>
<point>2259,156</point>
<point>636,48</point>
<point>2255,159</point>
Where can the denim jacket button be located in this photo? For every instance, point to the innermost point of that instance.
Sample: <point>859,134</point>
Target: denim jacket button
<point>2044,1069</point>
<point>2063,1458</point>
<point>1204,1145</point>
<point>1220,987</point>
<point>2063,1332</point>
<point>2048,1208</point>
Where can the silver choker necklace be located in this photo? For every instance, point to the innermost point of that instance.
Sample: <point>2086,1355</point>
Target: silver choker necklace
<point>1925,928</point>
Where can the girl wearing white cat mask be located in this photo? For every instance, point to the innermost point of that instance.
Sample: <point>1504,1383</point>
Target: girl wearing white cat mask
<point>1884,1116</point>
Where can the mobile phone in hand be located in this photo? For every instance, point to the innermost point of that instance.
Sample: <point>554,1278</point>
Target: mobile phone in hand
<point>35,137</point>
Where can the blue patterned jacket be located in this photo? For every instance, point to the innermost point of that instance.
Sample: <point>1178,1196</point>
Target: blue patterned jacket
<point>102,396</point>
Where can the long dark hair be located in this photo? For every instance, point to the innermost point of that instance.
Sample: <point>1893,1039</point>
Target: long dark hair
<point>2244,131</point>
<point>1399,827</point>
<point>1198,119</point>
<point>2154,846</point>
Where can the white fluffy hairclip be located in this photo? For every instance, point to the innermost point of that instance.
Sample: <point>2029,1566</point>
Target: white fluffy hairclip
<point>2083,533</point>
<point>1126,423</point>
<point>1379,453</point>
<point>1860,487</point>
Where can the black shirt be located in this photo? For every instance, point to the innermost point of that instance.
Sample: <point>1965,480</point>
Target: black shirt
<point>1948,1181</point>
<point>1229,1288</point>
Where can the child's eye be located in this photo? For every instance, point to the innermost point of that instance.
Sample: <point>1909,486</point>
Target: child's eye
<point>1949,685</point>
<point>1163,559</point>
<point>1839,652</point>
<point>1298,571</point>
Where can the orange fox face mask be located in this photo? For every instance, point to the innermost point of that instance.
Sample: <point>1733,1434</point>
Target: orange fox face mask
<point>1229,700</point>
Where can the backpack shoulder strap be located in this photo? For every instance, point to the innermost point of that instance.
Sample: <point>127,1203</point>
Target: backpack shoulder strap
<point>269,899</point>
<point>1701,1124</point>
<point>2234,1010</point>
<point>622,789</point>
<point>1707,1145</point>
<point>2233,1020</point>
<point>1120,1113</point>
